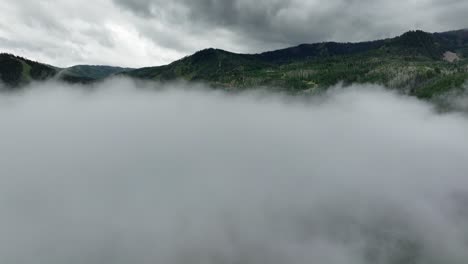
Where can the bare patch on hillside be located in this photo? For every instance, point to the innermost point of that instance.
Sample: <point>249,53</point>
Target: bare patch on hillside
<point>451,56</point>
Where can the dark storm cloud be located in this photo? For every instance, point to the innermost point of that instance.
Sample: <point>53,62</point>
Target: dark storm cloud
<point>292,22</point>
<point>183,174</point>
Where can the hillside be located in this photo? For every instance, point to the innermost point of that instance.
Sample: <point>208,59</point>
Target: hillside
<point>15,70</point>
<point>419,63</point>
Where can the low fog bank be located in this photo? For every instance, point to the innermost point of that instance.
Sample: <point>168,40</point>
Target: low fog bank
<point>182,174</point>
<point>455,100</point>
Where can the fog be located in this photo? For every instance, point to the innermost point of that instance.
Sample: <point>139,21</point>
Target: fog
<point>456,100</point>
<point>129,172</point>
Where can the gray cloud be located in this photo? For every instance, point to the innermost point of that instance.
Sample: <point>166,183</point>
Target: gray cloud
<point>145,173</point>
<point>68,32</point>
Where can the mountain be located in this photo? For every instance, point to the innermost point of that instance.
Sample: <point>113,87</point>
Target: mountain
<point>419,63</point>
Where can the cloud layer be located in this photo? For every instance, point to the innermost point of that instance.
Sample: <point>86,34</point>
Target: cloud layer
<point>144,173</point>
<point>153,32</point>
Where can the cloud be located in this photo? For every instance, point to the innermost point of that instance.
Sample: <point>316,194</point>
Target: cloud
<point>153,32</point>
<point>274,22</point>
<point>142,172</point>
<point>65,32</point>
<point>454,100</point>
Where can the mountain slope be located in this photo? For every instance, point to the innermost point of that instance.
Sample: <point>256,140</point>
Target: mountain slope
<point>317,50</point>
<point>456,40</point>
<point>16,70</point>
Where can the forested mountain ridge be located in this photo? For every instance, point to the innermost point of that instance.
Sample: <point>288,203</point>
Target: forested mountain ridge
<point>420,63</point>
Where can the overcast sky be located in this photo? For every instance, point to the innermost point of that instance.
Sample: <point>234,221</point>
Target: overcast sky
<point>153,32</point>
